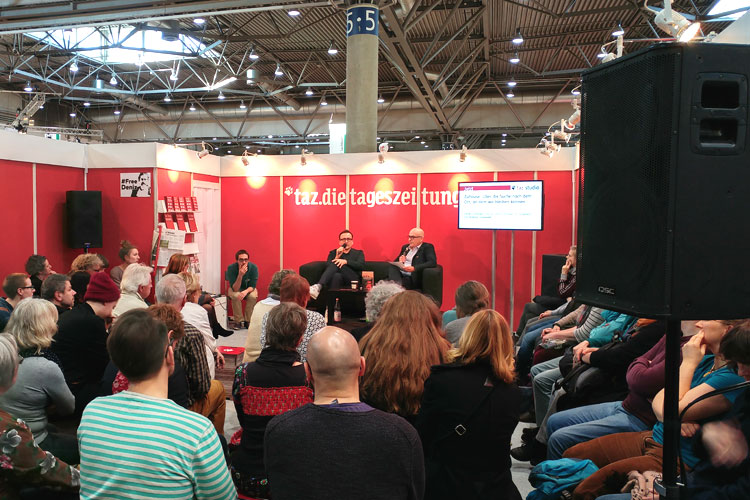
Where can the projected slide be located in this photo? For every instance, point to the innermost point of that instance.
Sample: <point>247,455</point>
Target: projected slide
<point>513,205</point>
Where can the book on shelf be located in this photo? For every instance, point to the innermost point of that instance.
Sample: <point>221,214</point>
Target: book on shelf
<point>169,200</point>
<point>189,204</point>
<point>181,203</point>
<point>193,227</point>
<point>180,222</point>
<point>169,221</point>
<point>195,203</point>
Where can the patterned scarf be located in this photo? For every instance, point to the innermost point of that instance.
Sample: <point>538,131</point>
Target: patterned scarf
<point>45,353</point>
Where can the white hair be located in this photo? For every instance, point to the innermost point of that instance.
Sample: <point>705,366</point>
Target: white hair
<point>135,275</point>
<point>170,290</point>
<point>377,297</point>
<point>8,360</point>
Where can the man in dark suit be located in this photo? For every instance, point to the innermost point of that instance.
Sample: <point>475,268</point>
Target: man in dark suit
<point>344,265</point>
<point>415,256</point>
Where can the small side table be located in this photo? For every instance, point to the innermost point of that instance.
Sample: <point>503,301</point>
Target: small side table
<point>231,351</point>
<point>332,295</point>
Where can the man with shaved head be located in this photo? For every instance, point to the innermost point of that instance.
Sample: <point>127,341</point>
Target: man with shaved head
<point>337,446</point>
<point>415,256</point>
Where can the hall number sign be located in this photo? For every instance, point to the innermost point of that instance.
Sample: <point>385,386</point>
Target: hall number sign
<point>362,20</point>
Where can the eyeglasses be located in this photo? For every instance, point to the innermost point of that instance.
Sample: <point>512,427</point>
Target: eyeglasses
<point>243,260</point>
<point>27,287</point>
<point>346,239</point>
<point>414,237</point>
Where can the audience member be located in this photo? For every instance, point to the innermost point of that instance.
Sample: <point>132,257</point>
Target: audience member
<point>81,340</point>
<point>16,286</point>
<point>38,268</point>
<point>128,255</point>
<point>252,343</point>
<point>40,382</point>
<point>374,302</point>
<point>469,411</point>
<point>273,384</point>
<point>197,316</point>
<point>471,296</point>
<point>243,279</point>
<point>177,388</point>
<point>295,288</point>
<point>56,288</point>
<point>89,262</point>
<point>339,447</point>
<point>24,464</point>
<point>139,443</point>
<point>178,263</point>
<point>105,262</point>
<point>205,396</point>
<point>135,285</point>
<point>701,371</point>
<point>400,349</point>
<point>79,281</point>
<point>344,265</point>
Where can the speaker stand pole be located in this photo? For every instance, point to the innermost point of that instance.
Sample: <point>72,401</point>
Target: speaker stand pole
<point>671,412</point>
<point>86,247</point>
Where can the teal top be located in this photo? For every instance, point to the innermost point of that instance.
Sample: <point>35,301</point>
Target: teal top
<point>250,279</point>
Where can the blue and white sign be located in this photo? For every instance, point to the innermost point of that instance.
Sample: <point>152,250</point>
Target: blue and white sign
<point>362,20</point>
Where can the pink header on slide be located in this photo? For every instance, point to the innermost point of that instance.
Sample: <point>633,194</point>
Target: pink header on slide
<point>486,188</point>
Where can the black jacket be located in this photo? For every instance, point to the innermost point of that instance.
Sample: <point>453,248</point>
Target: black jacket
<point>354,258</point>
<point>424,258</point>
<point>81,345</point>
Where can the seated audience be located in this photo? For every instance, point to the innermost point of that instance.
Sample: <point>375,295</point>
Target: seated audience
<point>344,264</point>
<point>374,302</point>
<point>57,289</point>
<point>178,263</point>
<point>24,464</point>
<point>177,388</point>
<point>81,340</point>
<point>273,384</point>
<point>339,447</point>
<point>128,255</point>
<point>400,349</point>
<point>642,451</point>
<point>16,286</point>
<point>38,268</point>
<point>195,315</point>
<point>39,382</point>
<point>471,297</point>
<point>252,343</point>
<point>475,391</point>
<point>565,288</point>
<point>139,443</point>
<point>79,281</point>
<point>295,288</point>
<point>205,396</point>
<point>89,262</point>
<point>135,286</point>
<point>242,277</point>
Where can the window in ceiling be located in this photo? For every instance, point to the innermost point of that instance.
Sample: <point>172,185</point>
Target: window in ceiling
<point>728,6</point>
<point>123,44</point>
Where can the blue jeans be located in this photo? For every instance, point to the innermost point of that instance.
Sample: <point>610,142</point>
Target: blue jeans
<point>570,427</point>
<point>543,378</point>
<point>616,496</point>
<point>525,354</point>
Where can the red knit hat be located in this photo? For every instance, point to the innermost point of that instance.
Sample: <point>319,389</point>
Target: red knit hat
<point>102,289</point>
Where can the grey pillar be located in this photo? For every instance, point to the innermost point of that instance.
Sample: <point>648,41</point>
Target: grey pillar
<point>361,78</point>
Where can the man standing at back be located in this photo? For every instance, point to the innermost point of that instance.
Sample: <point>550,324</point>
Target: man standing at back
<point>138,443</point>
<point>243,279</point>
<point>339,447</point>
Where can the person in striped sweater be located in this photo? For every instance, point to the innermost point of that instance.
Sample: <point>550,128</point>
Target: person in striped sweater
<point>138,443</point>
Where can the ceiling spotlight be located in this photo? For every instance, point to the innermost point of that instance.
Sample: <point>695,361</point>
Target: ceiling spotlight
<point>324,102</point>
<point>167,98</point>
<point>549,148</point>
<point>246,156</point>
<point>515,59</point>
<point>503,140</point>
<point>117,111</point>
<point>512,83</point>
<point>382,150</point>
<point>427,146</point>
<point>73,66</point>
<point>173,76</point>
<point>504,134</point>
<point>221,96</point>
<point>253,55</point>
<point>140,60</point>
<point>510,94</point>
<point>41,106</point>
<point>462,154</point>
<point>270,136</point>
<point>293,13</point>
<point>332,50</point>
<point>309,91</point>
<point>618,31</point>
<point>380,99</point>
<point>204,150</point>
<point>28,87</point>
<point>421,142</point>
<point>229,142</point>
<point>518,39</point>
<point>576,90</point>
<point>72,114</point>
<point>86,104</point>
<point>199,20</point>
<point>278,71</point>
<point>675,23</point>
<point>113,80</point>
<point>192,107</point>
<point>242,105</point>
<point>602,54</point>
<point>303,154</point>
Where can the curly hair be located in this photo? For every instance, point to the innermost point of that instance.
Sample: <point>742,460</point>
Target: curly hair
<point>399,350</point>
<point>274,287</point>
<point>377,297</point>
<point>85,262</point>
<point>171,317</point>
<point>33,324</point>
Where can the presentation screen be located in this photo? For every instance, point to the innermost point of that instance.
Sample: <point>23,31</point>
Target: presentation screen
<point>511,205</point>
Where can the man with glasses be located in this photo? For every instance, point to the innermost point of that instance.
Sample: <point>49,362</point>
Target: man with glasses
<point>344,265</point>
<point>16,286</point>
<point>243,279</point>
<point>415,256</point>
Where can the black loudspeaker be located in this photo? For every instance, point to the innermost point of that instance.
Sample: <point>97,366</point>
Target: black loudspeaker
<point>83,211</point>
<point>664,198</point>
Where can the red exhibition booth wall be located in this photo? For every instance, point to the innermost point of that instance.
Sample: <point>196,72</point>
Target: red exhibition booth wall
<point>293,220</point>
<point>306,214</point>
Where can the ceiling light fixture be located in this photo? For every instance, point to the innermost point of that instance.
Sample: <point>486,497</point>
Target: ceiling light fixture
<point>324,102</point>
<point>253,55</point>
<point>293,13</point>
<point>576,90</point>
<point>221,96</point>
<point>674,23</point>
<point>278,71</point>
<point>242,105</point>
<point>72,114</point>
<point>618,31</point>
<point>117,111</point>
<point>28,87</point>
<point>309,91</point>
<point>382,151</point>
<point>548,147</point>
<point>303,154</point>
<point>246,156</point>
<point>462,154</point>
<point>204,150</point>
<point>173,76</point>
<point>167,98</point>
<point>332,50</point>
<point>73,66</point>
<point>199,20</point>
<point>510,94</point>
<point>113,80</point>
<point>518,39</point>
<point>192,107</point>
<point>515,59</point>
<point>86,104</point>
<point>512,83</point>
<point>380,99</point>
